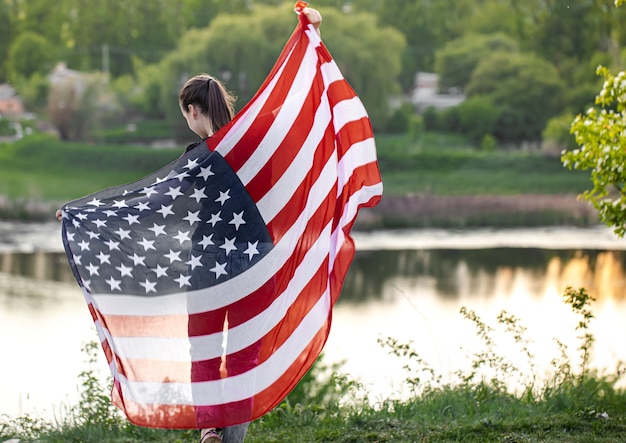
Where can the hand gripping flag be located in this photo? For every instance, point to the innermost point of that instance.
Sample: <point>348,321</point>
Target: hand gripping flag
<point>211,282</point>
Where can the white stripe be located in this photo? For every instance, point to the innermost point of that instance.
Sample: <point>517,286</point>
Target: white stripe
<point>283,121</point>
<point>284,188</point>
<point>348,110</point>
<point>357,155</point>
<point>238,387</point>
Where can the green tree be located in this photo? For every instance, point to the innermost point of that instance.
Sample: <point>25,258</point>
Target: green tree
<point>6,36</point>
<point>601,136</point>
<point>523,83</point>
<point>456,61</point>
<point>241,50</point>
<point>29,53</point>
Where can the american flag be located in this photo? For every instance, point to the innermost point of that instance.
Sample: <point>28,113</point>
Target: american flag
<point>211,282</point>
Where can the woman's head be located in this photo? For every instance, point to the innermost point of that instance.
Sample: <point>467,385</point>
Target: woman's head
<point>206,104</point>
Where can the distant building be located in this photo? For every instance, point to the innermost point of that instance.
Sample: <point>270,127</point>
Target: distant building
<point>426,93</point>
<point>11,105</point>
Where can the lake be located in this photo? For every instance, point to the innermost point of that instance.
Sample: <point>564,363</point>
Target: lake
<point>408,285</point>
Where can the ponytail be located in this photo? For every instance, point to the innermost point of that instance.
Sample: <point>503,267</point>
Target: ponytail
<point>211,97</point>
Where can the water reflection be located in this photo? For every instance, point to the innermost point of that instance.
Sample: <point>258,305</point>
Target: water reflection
<point>456,274</point>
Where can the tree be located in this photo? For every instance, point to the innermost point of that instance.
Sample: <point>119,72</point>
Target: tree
<point>456,61</point>
<point>523,83</point>
<point>6,35</point>
<point>29,53</point>
<point>601,135</point>
<point>241,50</point>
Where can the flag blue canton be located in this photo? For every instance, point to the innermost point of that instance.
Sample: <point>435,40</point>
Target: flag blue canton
<point>189,226</point>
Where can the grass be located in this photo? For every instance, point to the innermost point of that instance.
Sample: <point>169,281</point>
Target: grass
<point>445,165</point>
<point>43,168</point>
<point>574,403</point>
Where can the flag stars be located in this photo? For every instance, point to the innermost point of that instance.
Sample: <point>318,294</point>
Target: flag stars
<point>165,210</point>
<point>173,256</point>
<point>112,245</point>
<point>148,191</point>
<point>148,285</point>
<point>122,233</point>
<point>147,244</point>
<point>182,237</point>
<point>192,217</point>
<point>100,223</point>
<point>252,249</point>
<point>219,269</point>
<point>137,259</point>
<point>83,245</point>
<point>160,271</point>
<point>157,229</point>
<point>183,280</point>
<point>131,219</point>
<point>104,258</point>
<point>95,202</point>
<point>205,173</point>
<point>81,216</point>
<point>93,235</point>
<point>93,269</point>
<point>198,194</point>
<point>109,213</point>
<point>215,218</point>
<point>223,197</point>
<point>142,206</point>
<point>191,163</point>
<point>237,220</point>
<point>195,262</point>
<point>229,245</point>
<point>114,284</point>
<point>125,271</point>
<point>181,176</point>
<point>76,259</point>
<point>174,192</point>
<point>76,223</point>
<point>207,240</point>
<point>119,204</point>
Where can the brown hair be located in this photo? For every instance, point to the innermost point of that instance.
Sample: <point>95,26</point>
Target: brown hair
<point>210,95</point>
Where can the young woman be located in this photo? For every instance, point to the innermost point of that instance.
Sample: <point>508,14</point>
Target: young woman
<point>206,105</point>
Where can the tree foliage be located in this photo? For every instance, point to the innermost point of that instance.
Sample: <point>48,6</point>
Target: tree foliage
<point>523,83</point>
<point>456,61</point>
<point>601,136</point>
<point>30,53</point>
<point>241,49</point>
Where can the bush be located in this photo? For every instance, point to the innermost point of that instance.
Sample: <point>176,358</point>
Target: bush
<point>398,122</point>
<point>478,117</point>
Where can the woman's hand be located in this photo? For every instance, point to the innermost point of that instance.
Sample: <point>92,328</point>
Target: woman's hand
<point>59,215</point>
<point>315,18</point>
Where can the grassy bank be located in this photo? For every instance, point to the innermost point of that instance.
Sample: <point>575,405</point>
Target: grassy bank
<point>39,173</point>
<point>573,404</point>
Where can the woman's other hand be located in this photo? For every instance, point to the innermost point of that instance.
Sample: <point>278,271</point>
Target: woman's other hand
<point>315,18</point>
<point>59,215</point>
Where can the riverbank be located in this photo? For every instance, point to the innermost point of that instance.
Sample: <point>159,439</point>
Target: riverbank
<point>470,211</point>
<point>415,211</point>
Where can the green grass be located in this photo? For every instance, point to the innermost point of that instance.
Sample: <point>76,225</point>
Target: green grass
<point>445,165</point>
<point>43,168</point>
<point>575,404</point>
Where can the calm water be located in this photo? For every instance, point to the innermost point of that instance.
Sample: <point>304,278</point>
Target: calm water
<point>408,285</point>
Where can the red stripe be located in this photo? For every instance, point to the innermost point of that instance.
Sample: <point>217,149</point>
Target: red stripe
<point>287,150</point>
<point>293,209</point>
